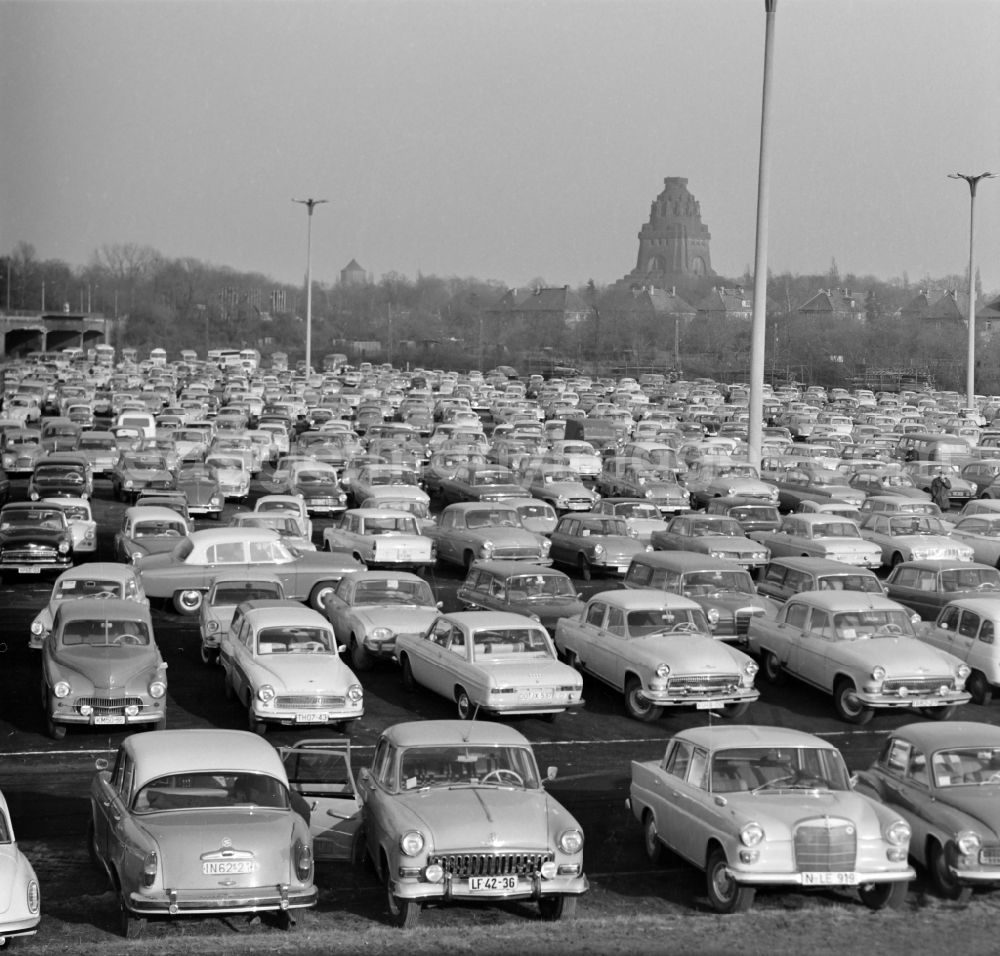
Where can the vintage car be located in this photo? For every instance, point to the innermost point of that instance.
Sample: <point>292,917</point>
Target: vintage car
<point>444,464</point>
<point>286,504</point>
<point>82,525</point>
<point>763,806</point>
<point>785,577</point>
<point>799,482</point>
<point>381,538</point>
<point>454,810</point>
<point>887,482</point>
<point>200,486</point>
<point>726,478</point>
<point>536,515</point>
<point>752,515</point>
<point>641,516</point>
<point>914,538</point>
<point>34,538</point>
<point>494,661</point>
<point>231,442</point>
<point>20,902</point>
<point>21,449</point>
<point>282,662</point>
<point>470,529</point>
<point>820,536</point>
<point>561,487</point>
<point>185,574</point>
<point>657,649</point>
<point>862,649</point>
<point>148,530</point>
<point>963,487</point>
<point>544,594</point>
<point>893,504</point>
<point>725,592</point>
<point>714,535</point>
<point>967,627</point>
<point>135,471</point>
<point>480,482</point>
<point>229,590</point>
<point>101,667</point>
<point>981,533</point>
<point>374,475</point>
<point>96,579</point>
<point>164,445</point>
<point>232,471</point>
<point>927,586</point>
<point>581,456</point>
<point>317,485</point>
<point>944,780</point>
<point>288,527</point>
<point>100,450</point>
<point>61,475</point>
<point>369,609</point>
<point>591,543</point>
<point>189,822</point>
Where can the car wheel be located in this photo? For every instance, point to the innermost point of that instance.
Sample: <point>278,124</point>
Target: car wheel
<point>209,655</point>
<point>733,711</point>
<point>188,602</point>
<point>320,594</point>
<point>651,842</point>
<point>878,896</point>
<point>463,704</point>
<point>467,558</point>
<point>944,882</point>
<point>558,907</point>
<point>55,731</point>
<point>724,893</point>
<point>360,657</point>
<point>409,682</point>
<point>980,688</point>
<point>403,913</point>
<point>255,726</point>
<point>131,926</point>
<point>772,668</point>
<point>92,853</point>
<point>897,559</point>
<point>584,568</point>
<point>636,703</point>
<point>847,705</point>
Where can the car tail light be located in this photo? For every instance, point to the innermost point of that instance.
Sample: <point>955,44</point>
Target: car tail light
<point>303,861</point>
<point>149,868</point>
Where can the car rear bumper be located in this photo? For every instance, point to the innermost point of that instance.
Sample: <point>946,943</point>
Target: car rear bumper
<point>248,900</point>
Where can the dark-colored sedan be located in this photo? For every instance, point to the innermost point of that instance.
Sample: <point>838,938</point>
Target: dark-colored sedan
<point>34,538</point>
<point>927,586</point>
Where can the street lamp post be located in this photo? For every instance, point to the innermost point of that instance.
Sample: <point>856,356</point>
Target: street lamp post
<point>310,204</point>
<point>970,371</point>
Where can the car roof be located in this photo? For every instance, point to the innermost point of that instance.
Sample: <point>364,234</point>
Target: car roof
<point>944,564</point>
<point>986,606</point>
<point>163,752</point>
<point>278,613</point>
<point>360,576</point>
<point>477,619</point>
<point>630,600</point>
<point>152,513</point>
<point>932,735</point>
<point>827,566</point>
<point>378,513</point>
<point>839,601</point>
<point>212,535</point>
<point>111,609</point>
<point>444,732</point>
<point>684,560</point>
<point>510,569</point>
<point>97,570</point>
<point>722,737</point>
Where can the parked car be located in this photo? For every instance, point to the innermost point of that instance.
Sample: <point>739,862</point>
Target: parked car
<point>536,515</point>
<point>641,517</point>
<point>806,481</point>
<point>381,538</point>
<point>862,649</point>
<point>714,535</point>
<point>82,526</point>
<point>657,649</point>
<point>135,471</point>
<point>493,661</point>
<point>967,627</point>
<point>370,608</point>
<point>752,515</point>
<point>470,530</point>
<point>783,578</point>
<point>34,538</point>
<point>726,478</point>
<point>101,667</point>
<point>96,579</point>
<point>201,488</point>
<point>148,530</point>
<point>100,450</point>
<point>20,907</point>
<point>229,590</point>
<point>286,504</point>
<point>820,536</point>
<point>914,538</point>
<point>454,810</point>
<point>944,780</point>
<point>21,450</point>
<point>923,474</point>
<point>479,481</point>
<point>887,482</point>
<point>592,543</point>
<point>190,822</point>
<point>61,475</point>
<point>759,806</point>
<point>561,487</point>
<point>232,471</point>
<point>282,663</point>
<point>927,586</point>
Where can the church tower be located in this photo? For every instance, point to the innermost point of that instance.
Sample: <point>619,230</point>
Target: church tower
<point>674,243</point>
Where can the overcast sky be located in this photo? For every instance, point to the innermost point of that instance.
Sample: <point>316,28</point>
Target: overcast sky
<point>502,139</point>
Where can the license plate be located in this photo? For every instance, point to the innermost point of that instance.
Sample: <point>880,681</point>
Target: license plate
<point>30,569</point>
<point>111,719</point>
<point>845,878</point>
<point>493,884</point>
<point>311,718</point>
<point>707,705</point>
<point>225,867</point>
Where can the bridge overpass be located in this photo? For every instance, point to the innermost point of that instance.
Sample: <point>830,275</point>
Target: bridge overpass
<point>22,332</point>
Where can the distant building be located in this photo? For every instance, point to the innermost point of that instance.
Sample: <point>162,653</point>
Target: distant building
<point>726,303</point>
<point>934,305</point>
<point>834,304</point>
<point>555,305</point>
<point>645,302</point>
<point>353,274</point>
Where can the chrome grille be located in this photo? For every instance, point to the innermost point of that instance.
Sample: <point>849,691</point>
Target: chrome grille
<point>917,686</point>
<point>464,865</point>
<point>304,702</point>
<point>743,621</point>
<point>108,706</point>
<point>825,846</point>
<point>703,683</point>
<point>990,856</point>
<point>516,553</point>
<point>27,555</point>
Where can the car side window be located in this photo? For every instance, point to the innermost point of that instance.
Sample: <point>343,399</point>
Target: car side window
<point>616,621</point>
<point>228,552</point>
<point>948,619</point>
<point>455,642</point>
<point>820,624</point>
<point>679,759</point>
<point>343,589</point>
<point>896,758</point>
<point>595,614</point>
<point>697,774</point>
<point>986,632</point>
<point>795,615</point>
<point>381,763</point>
<point>639,574</point>
<point>969,624</point>
<point>907,578</point>
<point>775,574</point>
<point>797,581</point>
<point>917,771</point>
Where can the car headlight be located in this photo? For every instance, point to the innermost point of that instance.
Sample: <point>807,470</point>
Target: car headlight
<point>752,834</point>
<point>129,483</point>
<point>713,615</point>
<point>64,547</point>
<point>963,671</point>
<point>968,842</point>
<point>546,546</point>
<point>750,668</point>
<point>215,500</point>
<point>36,628</point>
<point>487,549</point>
<point>570,841</point>
<point>61,689</point>
<point>411,842</point>
<point>598,550</point>
<point>265,693</point>
<point>898,833</point>
<point>878,672</point>
<point>382,634</point>
<point>355,693</point>
<point>662,670</point>
<point>716,554</point>
<point>157,689</point>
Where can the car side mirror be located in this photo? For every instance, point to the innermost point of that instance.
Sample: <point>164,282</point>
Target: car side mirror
<point>551,772</point>
<point>341,648</point>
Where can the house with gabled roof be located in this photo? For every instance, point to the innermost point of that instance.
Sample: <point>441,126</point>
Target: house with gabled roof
<point>726,303</point>
<point>834,304</point>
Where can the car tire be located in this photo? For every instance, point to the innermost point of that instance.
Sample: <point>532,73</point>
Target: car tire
<point>360,657</point>
<point>771,666</point>
<point>724,893</point>
<point>409,681</point>
<point>188,602</point>
<point>651,842</point>
<point>320,594</point>
<point>209,655</point>
<point>55,730</point>
<point>583,568</point>
<point>980,688</point>
<point>254,725</point>
<point>878,896</point>
<point>463,705</point>
<point>558,907</point>
<point>467,559</point>
<point>942,880</point>
<point>130,925</point>
<point>636,705</point>
<point>403,913</point>
<point>897,559</point>
<point>847,705</point>
<point>735,711</point>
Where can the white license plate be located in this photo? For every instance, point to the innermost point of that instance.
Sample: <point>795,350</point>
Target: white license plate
<point>707,705</point>
<point>112,719</point>
<point>225,867</point>
<point>493,884</point>
<point>845,878</point>
<point>311,718</point>
<point>30,569</point>
<point>536,695</point>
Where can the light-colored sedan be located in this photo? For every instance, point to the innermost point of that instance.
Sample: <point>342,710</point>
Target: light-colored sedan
<point>658,650</point>
<point>282,663</point>
<point>913,538</point>
<point>981,533</point>
<point>862,649</point>
<point>381,538</point>
<point>20,902</point>
<point>82,525</point>
<point>820,536</point>
<point>469,530</point>
<point>229,590</point>
<point>714,535</point>
<point>286,504</point>
<point>495,661</point>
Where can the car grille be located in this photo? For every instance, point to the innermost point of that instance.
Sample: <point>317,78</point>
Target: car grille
<point>917,686</point>
<point>159,483</point>
<point>108,706</point>
<point>28,555</point>
<point>464,865</point>
<point>579,504</point>
<point>317,702</point>
<point>24,464</point>
<point>319,502</point>
<point>989,856</point>
<point>703,684</point>
<point>825,846</point>
<point>516,553</point>
<point>743,621</point>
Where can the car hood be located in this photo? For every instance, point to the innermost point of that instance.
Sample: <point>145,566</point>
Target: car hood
<point>735,600</point>
<point>15,871</point>
<point>154,545</point>
<point>688,653</point>
<point>725,542</point>
<point>108,667</point>
<point>42,536</point>
<point>411,618</point>
<point>199,490</point>
<point>315,673</point>
<point>981,803</point>
<point>147,474</point>
<point>900,656</point>
<point>780,811</point>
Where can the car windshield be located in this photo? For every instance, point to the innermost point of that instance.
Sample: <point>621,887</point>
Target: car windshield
<point>836,529</point>
<point>145,461</point>
<point>637,510</point>
<point>664,620</point>
<point>279,507</point>
<point>295,640</point>
<point>159,529</point>
<point>236,463</point>
<point>754,514</point>
<point>314,477</point>
<point>966,766</point>
<point>394,591</point>
<point>727,527</point>
<point>915,524</point>
<point>496,518</point>
<point>761,769</point>
<point>99,633</point>
<point>76,512</point>
<point>286,525</point>
<point>491,644</point>
<point>60,472</point>
<point>700,583</point>
<point>864,624</point>
<point>87,588</point>
<point>389,524</point>
<point>855,582</point>
<point>539,587</point>
<point>238,592</point>
<point>32,518</point>
<point>202,790</point>
<point>535,511</point>
<point>482,765</point>
<point>968,579</point>
<point>96,444</point>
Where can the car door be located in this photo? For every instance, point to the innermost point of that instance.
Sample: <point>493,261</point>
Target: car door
<point>235,651</point>
<point>564,540</point>
<point>808,656</point>
<point>320,772</point>
<point>432,658</point>
<point>685,778</point>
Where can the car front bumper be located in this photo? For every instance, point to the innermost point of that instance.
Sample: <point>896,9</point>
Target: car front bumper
<point>858,877</point>
<point>457,888</point>
<point>666,698</point>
